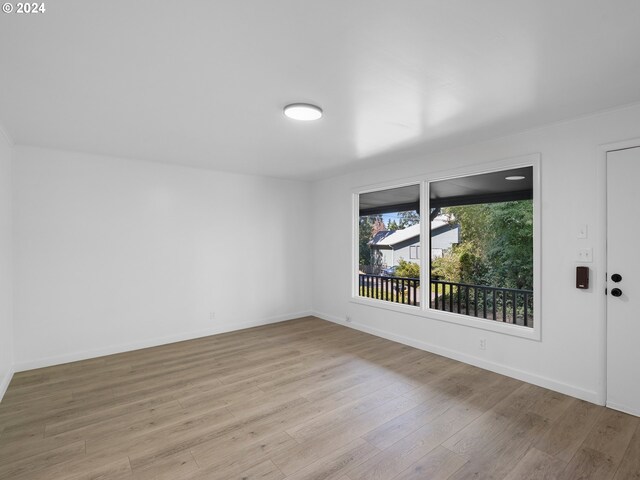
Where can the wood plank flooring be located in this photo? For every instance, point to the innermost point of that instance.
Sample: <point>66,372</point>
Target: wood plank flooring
<point>304,399</point>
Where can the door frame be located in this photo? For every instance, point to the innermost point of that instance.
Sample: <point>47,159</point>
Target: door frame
<point>600,263</point>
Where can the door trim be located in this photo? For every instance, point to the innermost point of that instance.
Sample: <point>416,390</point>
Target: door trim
<point>600,282</point>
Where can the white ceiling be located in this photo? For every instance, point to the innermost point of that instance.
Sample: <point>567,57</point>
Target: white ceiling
<point>203,83</point>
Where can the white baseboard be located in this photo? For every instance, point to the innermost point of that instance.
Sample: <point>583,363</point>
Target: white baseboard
<point>4,383</point>
<point>154,342</point>
<point>624,409</point>
<point>541,381</point>
<point>567,389</point>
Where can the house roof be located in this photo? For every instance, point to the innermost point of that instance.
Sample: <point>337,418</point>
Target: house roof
<point>398,236</point>
<point>389,238</point>
<point>380,236</point>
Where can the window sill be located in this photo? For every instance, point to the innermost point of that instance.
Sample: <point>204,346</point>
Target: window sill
<point>529,333</point>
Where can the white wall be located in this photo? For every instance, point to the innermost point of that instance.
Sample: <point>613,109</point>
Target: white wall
<point>6,323</point>
<point>570,357</point>
<point>114,254</point>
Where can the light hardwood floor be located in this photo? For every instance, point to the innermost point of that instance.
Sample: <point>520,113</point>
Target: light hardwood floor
<point>304,399</point>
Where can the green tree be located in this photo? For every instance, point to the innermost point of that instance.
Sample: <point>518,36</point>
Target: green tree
<point>369,226</point>
<point>510,249</point>
<point>407,219</point>
<point>364,236</point>
<point>407,269</point>
<point>446,267</point>
<point>496,246</point>
<point>469,254</point>
<point>461,264</point>
<point>392,225</point>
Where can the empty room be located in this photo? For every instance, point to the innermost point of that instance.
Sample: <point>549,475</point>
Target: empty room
<point>336,240</point>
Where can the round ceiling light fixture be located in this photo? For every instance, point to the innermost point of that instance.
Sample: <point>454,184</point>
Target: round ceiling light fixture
<point>303,111</point>
<point>514,177</point>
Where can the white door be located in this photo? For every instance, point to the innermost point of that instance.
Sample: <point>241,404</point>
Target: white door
<point>623,280</point>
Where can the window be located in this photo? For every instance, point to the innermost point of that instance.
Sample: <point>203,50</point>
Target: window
<point>388,245</point>
<point>481,229</point>
<point>481,261</point>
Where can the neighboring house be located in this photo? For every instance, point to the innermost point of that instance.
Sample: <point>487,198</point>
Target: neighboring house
<point>442,237</point>
<point>389,246</point>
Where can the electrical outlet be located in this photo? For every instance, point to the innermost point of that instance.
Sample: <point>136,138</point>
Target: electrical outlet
<point>212,315</point>
<point>585,255</point>
<point>348,318</point>
<point>483,344</point>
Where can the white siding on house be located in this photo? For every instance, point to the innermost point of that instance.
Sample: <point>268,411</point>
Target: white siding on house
<point>446,239</point>
<point>405,254</point>
<point>411,252</point>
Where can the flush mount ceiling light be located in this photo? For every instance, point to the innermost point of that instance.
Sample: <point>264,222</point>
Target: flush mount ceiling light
<point>514,177</point>
<point>303,111</point>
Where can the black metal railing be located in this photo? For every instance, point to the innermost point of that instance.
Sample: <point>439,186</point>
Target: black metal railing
<point>391,289</point>
<point>506,305</point>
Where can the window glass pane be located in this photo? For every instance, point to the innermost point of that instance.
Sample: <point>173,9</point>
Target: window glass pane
<point>481,262</point>
<point>389,241</point>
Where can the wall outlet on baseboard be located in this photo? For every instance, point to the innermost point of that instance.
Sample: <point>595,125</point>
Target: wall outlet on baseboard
<point>212,315</point>
<point>348,319</point>
<point>483,344</point>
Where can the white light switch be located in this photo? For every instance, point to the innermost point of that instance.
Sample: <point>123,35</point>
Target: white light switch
<point>582,231</point>
<point>585,255</point>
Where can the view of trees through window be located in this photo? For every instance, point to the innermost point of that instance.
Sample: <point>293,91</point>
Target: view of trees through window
<point>479,252</point>
<point>389,245</point>
<point>388,265</point>
<point>488,270</point>
<point>496,245</point>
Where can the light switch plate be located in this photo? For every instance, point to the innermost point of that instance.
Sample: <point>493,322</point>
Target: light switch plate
<point>583,231</point>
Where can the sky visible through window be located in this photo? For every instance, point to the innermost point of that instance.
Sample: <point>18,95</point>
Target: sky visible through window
<point>386,217</point>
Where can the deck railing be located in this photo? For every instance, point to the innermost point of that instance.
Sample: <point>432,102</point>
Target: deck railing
<point>508,305</point>
<point>391,289</point>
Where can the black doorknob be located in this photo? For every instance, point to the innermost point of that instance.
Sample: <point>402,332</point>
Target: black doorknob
<point>616,277</point>
<point>616,292</point>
